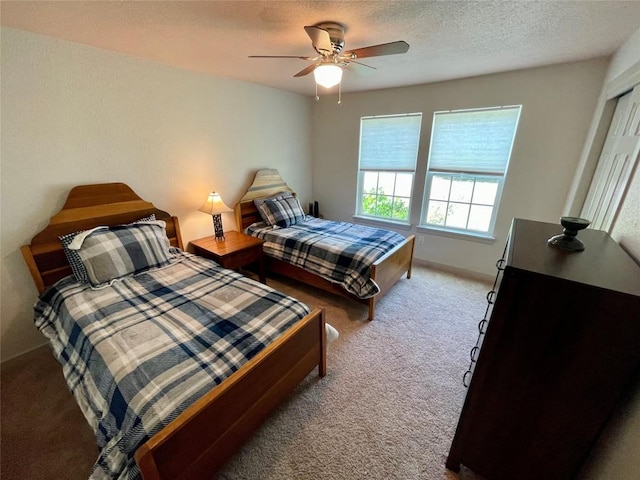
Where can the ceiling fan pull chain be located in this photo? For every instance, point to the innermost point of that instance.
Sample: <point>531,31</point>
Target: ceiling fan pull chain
<point>317,97</point>
<point>339,93</point>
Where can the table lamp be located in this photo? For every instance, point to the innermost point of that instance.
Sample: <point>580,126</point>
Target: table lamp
<point>214,206</point>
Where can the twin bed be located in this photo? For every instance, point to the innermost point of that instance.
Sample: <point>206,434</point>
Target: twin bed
<point>357,262</point>
<point>151,330</point>
<point>128,348</point>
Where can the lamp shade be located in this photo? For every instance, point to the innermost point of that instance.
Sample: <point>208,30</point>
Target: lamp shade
<point>214,205</point>
<point>328,75</point>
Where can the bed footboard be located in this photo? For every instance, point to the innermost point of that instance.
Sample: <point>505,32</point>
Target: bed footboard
<point>388,269</point>
<point>197,443</point>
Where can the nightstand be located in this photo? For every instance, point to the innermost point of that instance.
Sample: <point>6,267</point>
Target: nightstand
<point>237,250</point>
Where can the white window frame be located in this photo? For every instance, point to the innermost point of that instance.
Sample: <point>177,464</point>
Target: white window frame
<point>468,173</point>
<point>386,169</point>
<point>453,175</point>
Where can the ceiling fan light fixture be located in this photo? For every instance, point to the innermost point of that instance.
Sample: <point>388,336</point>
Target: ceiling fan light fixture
<point>328,75</point>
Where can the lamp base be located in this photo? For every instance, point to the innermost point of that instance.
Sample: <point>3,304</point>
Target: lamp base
<point>217,228</point>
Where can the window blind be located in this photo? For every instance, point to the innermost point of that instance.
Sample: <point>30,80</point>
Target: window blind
<point>390,142</point>
<point>477,141</point>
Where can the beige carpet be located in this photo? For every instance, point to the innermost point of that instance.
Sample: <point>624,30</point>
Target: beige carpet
<point>386,410</point>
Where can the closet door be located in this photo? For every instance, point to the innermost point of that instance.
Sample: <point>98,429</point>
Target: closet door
<point>616,164</point>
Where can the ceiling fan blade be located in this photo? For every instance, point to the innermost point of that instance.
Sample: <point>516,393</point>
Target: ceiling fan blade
<point>359,68</point>
<point>361,64</point>
<point>320,39</point>
<point>306,71</point>
<point>310,59</point>
<point>378,50</point>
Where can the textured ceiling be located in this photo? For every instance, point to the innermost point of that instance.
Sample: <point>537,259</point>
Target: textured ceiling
<point>448,39</point>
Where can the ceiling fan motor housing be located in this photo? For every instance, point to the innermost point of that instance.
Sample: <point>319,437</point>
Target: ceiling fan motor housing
<point>336,34</point>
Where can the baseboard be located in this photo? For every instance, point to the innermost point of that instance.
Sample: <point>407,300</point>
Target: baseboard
<point>5,360</point>
<point>483,277</point>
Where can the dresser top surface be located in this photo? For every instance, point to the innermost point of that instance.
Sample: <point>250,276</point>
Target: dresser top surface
<point>603,263</point>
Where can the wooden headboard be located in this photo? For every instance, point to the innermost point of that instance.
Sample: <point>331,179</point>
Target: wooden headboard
<point>266,182</point>
<point>88,206</point>
<point>246,214</point>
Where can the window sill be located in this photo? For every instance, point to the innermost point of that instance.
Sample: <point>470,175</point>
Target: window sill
<point>474,237</point>
<point>377,222</point>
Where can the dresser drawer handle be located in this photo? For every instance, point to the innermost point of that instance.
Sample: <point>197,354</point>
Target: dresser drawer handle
<point>490,296</point>
<point>474,353</point>
<point>466,378</point>
<point>482,326</point>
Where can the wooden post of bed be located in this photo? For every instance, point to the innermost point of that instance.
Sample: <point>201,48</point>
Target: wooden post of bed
<point>197,443</point>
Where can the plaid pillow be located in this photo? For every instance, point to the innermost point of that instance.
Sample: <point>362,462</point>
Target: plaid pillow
<point>77,268</point>
<point>264,211</point>
<point>284,213</point>
<point>111,253</point>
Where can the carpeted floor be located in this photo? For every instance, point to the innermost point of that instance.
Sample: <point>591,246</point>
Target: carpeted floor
<point>386,410</point>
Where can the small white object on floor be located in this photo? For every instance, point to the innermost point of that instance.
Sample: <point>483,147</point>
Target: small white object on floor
<point>332,333</point>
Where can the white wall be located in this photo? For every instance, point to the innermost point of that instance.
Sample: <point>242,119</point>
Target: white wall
<point>624,58</point>
<point>73,114</point>
<point>622,75</point>
<point>616,455</point>
<point>626,229</point>
<point>558,103</point>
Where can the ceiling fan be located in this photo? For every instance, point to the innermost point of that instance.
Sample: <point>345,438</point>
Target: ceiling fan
<point>327,39</point>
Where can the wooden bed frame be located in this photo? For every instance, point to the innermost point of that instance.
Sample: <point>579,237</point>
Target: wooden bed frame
<point>386,271</point>
<point>201,439</point>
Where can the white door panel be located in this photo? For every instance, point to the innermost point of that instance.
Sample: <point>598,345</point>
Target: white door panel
<point>617,162</point>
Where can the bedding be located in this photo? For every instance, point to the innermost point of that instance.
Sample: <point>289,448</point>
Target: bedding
<point>75,262</point>
<point>110,253</point>
<point>141,350</point>
<point>340,252</point>
<point>264,212</point>
<point>284,212</point>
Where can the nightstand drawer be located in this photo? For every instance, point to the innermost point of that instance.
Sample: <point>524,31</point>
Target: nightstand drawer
<point>237,250</point>
<point>241,258</point>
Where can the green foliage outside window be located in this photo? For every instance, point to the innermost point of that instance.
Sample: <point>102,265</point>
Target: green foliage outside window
<point>437,216</point>
<point>376,203</point>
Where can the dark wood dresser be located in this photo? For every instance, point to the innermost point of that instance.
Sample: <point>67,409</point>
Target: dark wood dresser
<point>561,346</point>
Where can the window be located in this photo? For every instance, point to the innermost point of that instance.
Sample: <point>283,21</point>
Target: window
<point>387,165</point>
<point>468,159</point>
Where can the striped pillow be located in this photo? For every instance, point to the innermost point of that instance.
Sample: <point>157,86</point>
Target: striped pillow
<point>77,268</point>
<point>111,253</point>
<point>284,213</point>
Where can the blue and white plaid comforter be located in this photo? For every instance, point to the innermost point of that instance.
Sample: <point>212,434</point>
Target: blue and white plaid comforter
<point>138,353</point>
<point>340,252</point>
